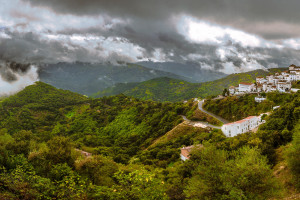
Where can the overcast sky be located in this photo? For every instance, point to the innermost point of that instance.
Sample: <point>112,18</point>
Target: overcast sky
<point>224,35</point>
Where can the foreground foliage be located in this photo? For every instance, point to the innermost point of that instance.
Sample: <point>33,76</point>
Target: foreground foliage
<point>135,148</point>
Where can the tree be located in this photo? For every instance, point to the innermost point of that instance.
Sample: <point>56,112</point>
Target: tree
<point>139,184</point>
<point>242,174</point>
<point>21,143</point>
<point>98,169</point>
<point>225,92</point>
<point>59,150</point>
<point>293,157</point>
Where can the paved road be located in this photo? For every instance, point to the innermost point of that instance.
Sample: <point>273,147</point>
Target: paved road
<point>200,106</point>
<point>199,123</point>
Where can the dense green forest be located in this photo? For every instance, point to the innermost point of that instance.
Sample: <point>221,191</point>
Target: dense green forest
<point>135,146</point>
<point>173,90</point>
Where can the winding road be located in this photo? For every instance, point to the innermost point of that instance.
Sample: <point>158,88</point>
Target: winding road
<point>200,106</point>
<point>205,124</point>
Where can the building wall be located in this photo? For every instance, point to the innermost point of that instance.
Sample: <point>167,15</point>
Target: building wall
<point>245,88</point>
<point>234,129</point>
<point>182,157</point>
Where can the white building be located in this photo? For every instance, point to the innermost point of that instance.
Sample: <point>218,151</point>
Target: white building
<point>284,86</point>
<point>294,68</point>
<point>242,126</point>
<point>246,87</point>
<point>259,79</point>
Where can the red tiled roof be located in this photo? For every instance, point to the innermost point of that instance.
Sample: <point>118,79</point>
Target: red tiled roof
<point>185,151</point>
<point>241,121</point>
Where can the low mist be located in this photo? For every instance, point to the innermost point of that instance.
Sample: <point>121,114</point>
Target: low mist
<point>15,77</point>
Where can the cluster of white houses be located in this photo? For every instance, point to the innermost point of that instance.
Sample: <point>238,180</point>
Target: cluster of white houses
<point>281,82</point>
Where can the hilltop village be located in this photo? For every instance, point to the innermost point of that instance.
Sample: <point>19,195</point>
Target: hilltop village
<point>281,82</point>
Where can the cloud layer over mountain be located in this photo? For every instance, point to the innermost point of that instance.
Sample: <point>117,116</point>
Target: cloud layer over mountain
<point>228,36</point>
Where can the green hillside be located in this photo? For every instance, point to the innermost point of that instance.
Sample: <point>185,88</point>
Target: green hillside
<point>43,95</point>
<point>46,133</point>
<point>168,89</point>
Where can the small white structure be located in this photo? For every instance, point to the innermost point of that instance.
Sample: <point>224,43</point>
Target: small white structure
<point>294,89</point>
<point>242,126</point>
<point>260,99</point>
<point>246,87</point>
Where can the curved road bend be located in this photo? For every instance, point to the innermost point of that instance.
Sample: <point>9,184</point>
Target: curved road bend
<point>200,106</point>
<point>194,123</point>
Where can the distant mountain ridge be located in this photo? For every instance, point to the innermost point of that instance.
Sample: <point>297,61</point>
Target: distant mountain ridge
<point>193,71</point>
<point>168,89</point>
<point>88,78</point>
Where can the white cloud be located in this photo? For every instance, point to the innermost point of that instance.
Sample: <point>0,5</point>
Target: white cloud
<point>293,43</point>
<point>203,32</point>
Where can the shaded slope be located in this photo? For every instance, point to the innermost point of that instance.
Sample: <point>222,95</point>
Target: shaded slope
<point>193,71</point>
<point>88,78</point>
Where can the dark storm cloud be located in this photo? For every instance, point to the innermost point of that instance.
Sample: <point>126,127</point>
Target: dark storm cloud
<point>235,13</point>
<point>163,36</point>
<point>10,70</point>
<point>30,47</point>
<point>152,27</point>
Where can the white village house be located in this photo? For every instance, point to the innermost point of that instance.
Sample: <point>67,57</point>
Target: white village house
<point>246,87</point>
<point>242,126</point>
